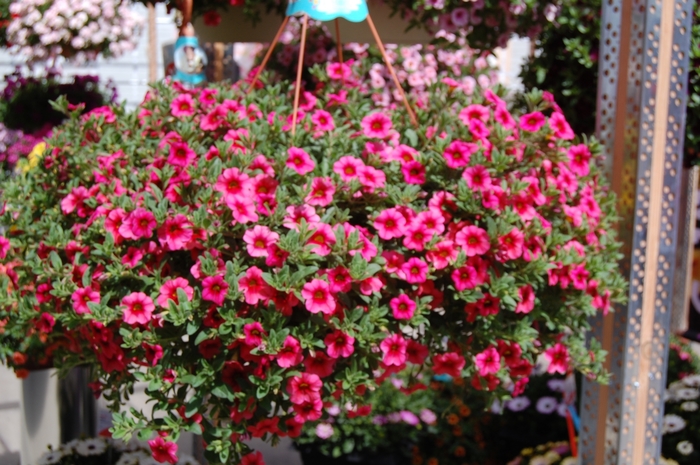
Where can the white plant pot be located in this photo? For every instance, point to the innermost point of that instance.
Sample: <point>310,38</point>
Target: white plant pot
<point>40,415</point>
<point>235,27</point>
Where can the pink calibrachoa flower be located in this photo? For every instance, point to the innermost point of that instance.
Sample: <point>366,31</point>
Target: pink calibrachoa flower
<point>304,388</point>
<point>243,209</point>
<point>473,240</point>
<point>465,278</point>
<point>390,224</point>
<point>323,121</point>
<point>402,307</point>
<point>214,289</point>
<point>253,333</point>
<point>254,458</point>
<point>442,255</point>
<point>74,201</point>
<point>308,411</point>
<point>322,240</point>
<point>320,364</point>
<point>300,161</point>
<point>479,129</point>
<point>297,213</point>
<point>394,349</point>
<point>182,106</point>
<point>503,117</point>
<point>181,155</point>
<point>318,297</point>
<point>376,126</point>
<point>168,291</point>
<point>232,183</point>
<point>253,286</point>
<point>413,172</point>
<point>580,159</point>
<point>474,111</point>
<point>290,354</point>
<point>82,297</point>
<point>560,127</point>
<point>488,362</point>
<point>175,232</point>
<point>458,153</point>
<point>339,344</point>
<point>339,279</point>
<point>527,299</point>
<point>371,178</point>
<point>478,178</point>
<point>347,167</point>
<point>259,240</point>
<point>558,358</point>
<point>139,224</point>
<point>339,71</point>
<point>532,122</point>
<point>510,246</point>
<point>322,190</point>
<point>414,271</point>
<point>416,237</point>
<point>163,451</point>
<point>138,308</point>
<point>450,364</point>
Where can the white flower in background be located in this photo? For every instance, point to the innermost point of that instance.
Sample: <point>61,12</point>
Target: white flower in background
<point>547,405</point>
<point>689,406</point>
<point>687,394</point>
<point>91,447</point>
<point>665,461</point>
<point>132,458</point>
<point>50,458</point>
<point>673,424</point>
<point>692,381</point>
<point>518,404</point>
<point>540,460</point>
<point>569,461</point>
<point>685,447</point>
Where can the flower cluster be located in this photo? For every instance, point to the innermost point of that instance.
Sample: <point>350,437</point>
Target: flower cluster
<point>551,453</point>
<point>249,275</point>
<point>104,451</point>
<point>74,29</point>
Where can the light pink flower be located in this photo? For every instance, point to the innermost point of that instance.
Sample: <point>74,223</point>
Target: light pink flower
<point>295,214</point>
<point>82,297</point>
<point>473,240</point>
<point>214,289</point>
<point>259,240</point>
<point>254,287</point>
<point>290,354</point>
<point>376,126</point>
<point>322,190</point>
<point>318,297</point>
<point>532,122</point>
<point>402,307</point>
<point>394,349</point>
<point>488,362</point>
<point>347,167</point>
<point>176,232</point>
<point>300,161</point>
<point>558,358</point>
<point>138,308</point>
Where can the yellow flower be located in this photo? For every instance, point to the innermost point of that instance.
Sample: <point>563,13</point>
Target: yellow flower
<point>34,157</point>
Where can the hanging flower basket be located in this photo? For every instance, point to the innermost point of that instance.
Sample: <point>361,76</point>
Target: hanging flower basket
<point>247,275</point>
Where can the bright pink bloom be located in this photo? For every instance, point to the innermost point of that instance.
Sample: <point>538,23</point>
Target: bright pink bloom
<point>413,172</point>
<point>181,154</point>
<point>532,122</point>
<point>308,411</point>
<point>432,220</point>
<point>488,362</point>
<point>45,323</point>
<point>182,105</point>
<point>465,278</point>
<point>138,308</point>
<point>558,358</point>
<point>290,353</point>
<point>472,112</point>
<point>376,126</point>
<point>322,240</point>
<point>168,291</point>
<point>580,159</point>
<point>339,279</point>
<point>139,224</point>
<point>232,183</point>
<point>214,289</point>
<point>579,277</point>
<point>394,349</point>
<point>450,364</point>
<point>176,232</point>
<point>348,167</point>
<point>297,213</point>
<point>254,458</point>
<point>527,299</point>
<point>510,246</point>
<point>163,451</point>
<point>113,222</point>
<point>321,365</point>
<point>390,224</point>
<point>323,121</point>
<point>82,297</point>
<point>318,297</point>
<point>458,153</point>
<point>75,201</point>
<point>442,255</point>
<point>253,286</point>
<point>473,240</point>
<point>479,130</point>
<point>259,240</point>
<point>300,161</point>
<point>322,190</point>
<point>243,209</point>
<point>402,307</point>
<point>416,237</point>
<point>478,178</point>
<point>339,344</point>
<point>4,247</point>
<point>371,178</point>
<point>304,388</point>
<point>414,271</point>
<point>254,333</point>
<point>560,127</point>
<point>503,117</point>
<point>339,71</point>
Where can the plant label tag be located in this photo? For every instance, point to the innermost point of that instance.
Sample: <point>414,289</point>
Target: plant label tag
<point>328,10</point>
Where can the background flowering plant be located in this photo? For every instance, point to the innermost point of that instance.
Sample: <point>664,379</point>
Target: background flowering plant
<point>248,275</point>
<point>551,453</point>
<point>74,29</point>
<point>104,451</point>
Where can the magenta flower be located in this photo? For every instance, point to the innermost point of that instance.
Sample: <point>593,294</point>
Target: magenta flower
<point>579,160</point>
<point>304,388</point>
<point>243,209</point>
<point>323,121</point>
<point>479,130</point>
<point>163,451</point>
<point>322,190</point>
<point>181,154</point>
<point>371,178</point>
<point>376,126</point>
<point>318,297</point>
<point>295,214</point>
<point>472,112</point>
<point>527,299</point>
<point>138,308</point>
<point>322,240</point>
<point>474,241</point>
<point>182,106</point>
<point>510,246</point>
<point>4,247</point>
<point>413,172</point>
<point>253,333</point>
<point>253,286</point>
<point>214,289</point>
<point>465,278</point>
<point>308,411</point>
<point>488,362</point>
<point>560,127</point>
<point>394,349</point>
<point>339,279</point>
<point>139,224</point>
<point>442,255</point>
<point>503,117</point>
<point>232,183</point>
<point>414,271</point>
<point>82,297</point>
<point>339,344</point>
<point>259,240</point>
<point>290,354</point>
<point>532,122</point>
<point>416,237</point>
<point>402,307</point>
<point>300,161</point>
<point>558,358</point>
<point>321,365</point>
<point>348,167</point>
<point>168,291</point>
<point>176,232</point>
<point>458,153</point>
<point>390,224</point>
<point>478,178</point>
